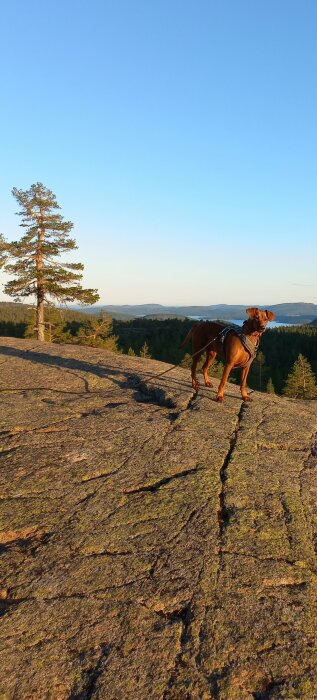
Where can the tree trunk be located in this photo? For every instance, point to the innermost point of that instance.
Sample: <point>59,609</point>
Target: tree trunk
<point>40,314</point>
<point>40,287</point>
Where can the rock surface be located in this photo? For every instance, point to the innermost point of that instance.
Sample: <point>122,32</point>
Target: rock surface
<point>155,545</point>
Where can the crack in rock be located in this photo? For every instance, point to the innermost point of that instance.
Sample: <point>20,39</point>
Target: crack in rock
<point>25,540</point>
<point>150,394</point>
<point>90,677</point>
<point>157,484</point>
<point>223,512</point>
<point>288,519</point>
<point>184,618</point>
<point>269,691</point>
<point>215,680</point>
<point>109,553</point>
<point>7,605</point>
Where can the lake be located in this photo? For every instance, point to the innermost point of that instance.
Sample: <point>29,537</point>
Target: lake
<point>239,322</point>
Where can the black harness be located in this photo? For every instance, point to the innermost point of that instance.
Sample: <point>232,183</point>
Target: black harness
<point>246,342</point>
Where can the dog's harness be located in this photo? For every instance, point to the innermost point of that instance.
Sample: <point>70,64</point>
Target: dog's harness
<point>247,344</point>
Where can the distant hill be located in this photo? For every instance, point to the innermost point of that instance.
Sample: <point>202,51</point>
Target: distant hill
<point>164,317</point>
<point>293,313</point>
<point>297,312</point>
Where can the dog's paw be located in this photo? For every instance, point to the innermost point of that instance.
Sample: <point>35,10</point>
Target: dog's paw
<point>247,398</point>
<point>219,399</point>
<point>209,384</point>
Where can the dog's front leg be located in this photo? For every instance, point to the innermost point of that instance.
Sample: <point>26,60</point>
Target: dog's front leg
<point>243,385</point>
<point>210,356</point>
<point>224,379</point>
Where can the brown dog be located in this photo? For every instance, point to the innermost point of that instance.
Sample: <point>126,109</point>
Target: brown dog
<point>207,336</point>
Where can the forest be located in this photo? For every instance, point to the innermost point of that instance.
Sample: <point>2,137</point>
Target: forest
<point>160,339</point>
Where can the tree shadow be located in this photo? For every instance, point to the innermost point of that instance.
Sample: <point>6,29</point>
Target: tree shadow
<point>131,379</point>
<point>67,363</point>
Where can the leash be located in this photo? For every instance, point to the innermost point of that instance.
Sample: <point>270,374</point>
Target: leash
<point>155,376</point>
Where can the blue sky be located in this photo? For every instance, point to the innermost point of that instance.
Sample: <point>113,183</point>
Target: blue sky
<point>178,136</point>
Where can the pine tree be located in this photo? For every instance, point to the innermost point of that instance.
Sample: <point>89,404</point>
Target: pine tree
<point>131,352</point>
<point>270,387</point>
<point>97,332</point>
<point>301,383</point>
<point>144,352</point>
<point>32,259</point>
<point>3,257</point>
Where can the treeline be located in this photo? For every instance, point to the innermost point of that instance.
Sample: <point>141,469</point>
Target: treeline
<point>17,320</point>
<point>160,339</point>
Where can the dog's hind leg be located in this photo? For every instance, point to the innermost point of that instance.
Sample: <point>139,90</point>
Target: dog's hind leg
<point>210,356</point>
<point>195,383</point>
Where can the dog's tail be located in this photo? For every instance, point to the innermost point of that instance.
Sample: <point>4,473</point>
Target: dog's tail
<point>188,337</point>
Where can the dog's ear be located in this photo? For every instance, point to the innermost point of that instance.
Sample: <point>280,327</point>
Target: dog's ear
<point>252,312</point>
<point>270,315</point>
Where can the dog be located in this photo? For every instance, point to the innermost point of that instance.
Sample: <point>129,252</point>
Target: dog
<point>236,348</point>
